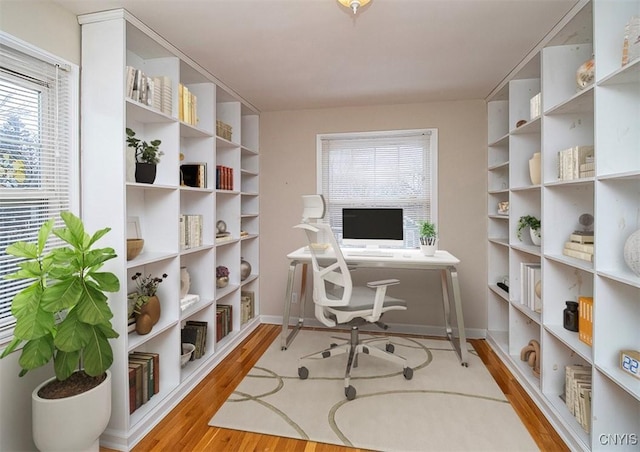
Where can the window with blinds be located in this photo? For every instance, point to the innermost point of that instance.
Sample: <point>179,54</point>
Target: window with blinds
<point>380,169</point>
<point>38,153</point>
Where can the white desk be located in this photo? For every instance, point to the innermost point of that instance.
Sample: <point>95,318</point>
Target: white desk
<point>410,259</point>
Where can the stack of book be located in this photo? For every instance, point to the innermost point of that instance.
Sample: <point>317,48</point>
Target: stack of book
<point>580,246</point>
<point>535,106</point>
<point>577,394</point>
<point>224,177</point>
<point>144,378</point>
<point>585,320</point>
<point>246,306</point>
<point>190,231</point>
<point>530,276</point>
<point>188,300</point>
<point>224,321</point>
<point>571,161</point>
<point>195,332</point>
<point>187,106</point>
<point>223,130</point>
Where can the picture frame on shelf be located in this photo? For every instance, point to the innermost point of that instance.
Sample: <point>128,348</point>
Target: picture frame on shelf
<point>133,228</point>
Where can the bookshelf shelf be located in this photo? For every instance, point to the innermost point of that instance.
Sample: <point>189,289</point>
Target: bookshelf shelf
<point>605,115</point>
<point>115,46</point>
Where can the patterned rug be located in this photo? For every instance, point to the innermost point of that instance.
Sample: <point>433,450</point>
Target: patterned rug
<point>445,407</point>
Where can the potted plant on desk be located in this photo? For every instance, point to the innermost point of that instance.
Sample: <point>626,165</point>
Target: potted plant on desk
<point>63,315</point>
<point>428,238</point>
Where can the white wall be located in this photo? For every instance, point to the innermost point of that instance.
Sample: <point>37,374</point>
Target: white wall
<point>288,170</point>
<point>51,28</point>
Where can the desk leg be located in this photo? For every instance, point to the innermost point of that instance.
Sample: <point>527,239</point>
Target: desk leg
<point>287,337</point>
<point>449,279</point>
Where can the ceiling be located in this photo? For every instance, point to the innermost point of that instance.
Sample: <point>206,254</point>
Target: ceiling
<point>303,54</point>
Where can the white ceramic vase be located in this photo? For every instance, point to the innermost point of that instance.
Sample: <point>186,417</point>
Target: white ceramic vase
<point>534,236</point>
<point>71,423</point>
<point>534,169</point>
<point>185,282</point>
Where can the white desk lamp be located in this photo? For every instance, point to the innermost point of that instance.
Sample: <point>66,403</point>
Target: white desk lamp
<point>313,207</point>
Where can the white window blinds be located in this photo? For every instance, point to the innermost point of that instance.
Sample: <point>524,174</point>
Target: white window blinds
<point>38,176</point>
<point>381,169</point>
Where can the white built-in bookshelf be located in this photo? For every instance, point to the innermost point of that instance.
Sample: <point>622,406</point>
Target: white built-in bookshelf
<point>605,115</point>
<point>113,42</point>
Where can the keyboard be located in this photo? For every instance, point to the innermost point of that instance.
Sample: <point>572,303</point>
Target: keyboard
<point>368,253</point>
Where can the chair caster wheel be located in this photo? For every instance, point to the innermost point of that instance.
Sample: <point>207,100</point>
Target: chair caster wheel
<point>390,348</point>
<point>350,392</point>
<point>334,345</point>
<point>303,373</point>
<point>408,373</point>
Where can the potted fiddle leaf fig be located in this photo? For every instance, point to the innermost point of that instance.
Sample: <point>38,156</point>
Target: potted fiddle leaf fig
<point>147,157</point>
<point>63,316</point>
<point>428,237</point>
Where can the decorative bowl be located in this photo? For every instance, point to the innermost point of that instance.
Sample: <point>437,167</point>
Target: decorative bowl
<point>134,247</point>
<point>187,350</point>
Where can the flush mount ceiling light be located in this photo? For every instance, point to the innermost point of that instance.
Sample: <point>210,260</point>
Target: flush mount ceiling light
<point>353,4</point>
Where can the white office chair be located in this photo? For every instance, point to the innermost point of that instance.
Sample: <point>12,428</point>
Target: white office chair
<point>338,302</point>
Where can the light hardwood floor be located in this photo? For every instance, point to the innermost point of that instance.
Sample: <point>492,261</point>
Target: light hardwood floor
<point>185,428</point>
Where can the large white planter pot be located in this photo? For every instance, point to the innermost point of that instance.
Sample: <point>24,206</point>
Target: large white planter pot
<point>72,423</point>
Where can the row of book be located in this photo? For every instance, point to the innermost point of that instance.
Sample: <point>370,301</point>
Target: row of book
<point>579,246</point>
<point>195,332</point>
<point>224,177</point>
<point>577,393</point>
<point>144,378</point>
<point>576,162</point>
<point>187,105</point>
<point>153,91</point>
<point>530,274</point>
<point>585,320</point>
<point>247,306</point>
<point>631,42</point>
<point>224,321</point>
<point>224,130</point>
<point>190,231</point>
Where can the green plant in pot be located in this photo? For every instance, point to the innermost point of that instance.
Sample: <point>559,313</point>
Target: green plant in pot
<point>533,224</point>
<point>428,237</point>
<point>144,303</point>
<point>64,316</point>
<point>147,157</point>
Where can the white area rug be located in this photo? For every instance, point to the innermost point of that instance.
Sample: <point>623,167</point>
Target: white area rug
<point>445,407</point>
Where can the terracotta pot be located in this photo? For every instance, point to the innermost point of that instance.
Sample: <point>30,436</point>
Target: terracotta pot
<point>143,324</point>
<point>152,307</point>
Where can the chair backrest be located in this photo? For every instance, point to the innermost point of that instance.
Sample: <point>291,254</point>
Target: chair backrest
<point>332,284</point>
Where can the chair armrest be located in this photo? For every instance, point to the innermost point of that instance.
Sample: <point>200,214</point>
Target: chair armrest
<point>383,282</point>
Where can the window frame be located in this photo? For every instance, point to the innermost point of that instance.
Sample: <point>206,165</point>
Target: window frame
<point>49,174</point>
<point>432,155</point>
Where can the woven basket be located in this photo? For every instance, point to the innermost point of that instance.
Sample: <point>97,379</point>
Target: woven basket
<point>134,247</point>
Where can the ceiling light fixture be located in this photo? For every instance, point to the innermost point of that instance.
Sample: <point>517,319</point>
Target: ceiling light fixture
<point>353,4</point>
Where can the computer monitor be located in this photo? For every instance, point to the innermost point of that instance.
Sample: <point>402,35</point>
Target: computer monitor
<point>372,227</point>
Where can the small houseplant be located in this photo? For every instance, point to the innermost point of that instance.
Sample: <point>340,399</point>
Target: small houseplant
<point>144,302</point>
<point>64,316</point>
<point>533,224</point>
<point>222,276</point>
<point>147,157</point>
<point>428,237</point>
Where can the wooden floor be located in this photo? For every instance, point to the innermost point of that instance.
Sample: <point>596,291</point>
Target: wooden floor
<point>186,427</point>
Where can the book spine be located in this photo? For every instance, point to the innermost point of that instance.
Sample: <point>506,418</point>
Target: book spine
<point>585,320</point>
<point>584,247</point>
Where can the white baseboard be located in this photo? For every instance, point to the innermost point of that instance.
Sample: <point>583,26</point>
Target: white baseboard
<point>427,330</point>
